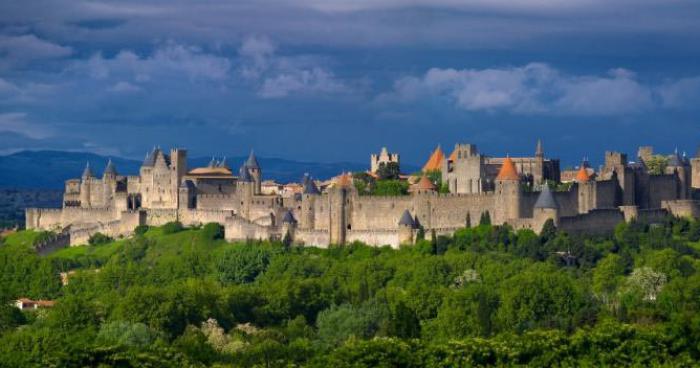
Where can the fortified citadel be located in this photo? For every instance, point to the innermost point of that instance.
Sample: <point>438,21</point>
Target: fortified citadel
<point>514,191</point>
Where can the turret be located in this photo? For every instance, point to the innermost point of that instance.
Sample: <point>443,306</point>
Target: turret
<point>85,182</point>
<point>340,207</point>
<point>586,190</point>
<point>254,169</point>
<point>406,226</point>
<point>679,166</point>
<point>310,194</point>
<point>508,193</point>
<point>289,224</point>
<point>109,183</point>
<point>245,186</point>
<point>546,208</point>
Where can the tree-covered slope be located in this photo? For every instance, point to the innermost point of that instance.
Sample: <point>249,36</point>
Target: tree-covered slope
<point>487,296</point>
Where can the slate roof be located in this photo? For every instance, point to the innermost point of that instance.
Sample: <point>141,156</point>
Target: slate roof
<point>87,173</point>
<point>407,220</point>
<point>110,169</point>
<point>243,174</point>
<point>252,162</point>
<point>546,199</point>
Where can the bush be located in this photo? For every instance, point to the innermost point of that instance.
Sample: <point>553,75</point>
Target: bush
<point>212,231</point>
<point>99,238</point>
<point>141,229</point>
<point>172,227</point>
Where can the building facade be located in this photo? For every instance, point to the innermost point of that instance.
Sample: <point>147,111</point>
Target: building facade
<point>511,190</point>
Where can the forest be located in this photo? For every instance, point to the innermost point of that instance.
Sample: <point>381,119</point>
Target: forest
<point>487,296</point>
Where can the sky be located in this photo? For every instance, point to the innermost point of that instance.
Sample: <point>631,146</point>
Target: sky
<point>331,80</point>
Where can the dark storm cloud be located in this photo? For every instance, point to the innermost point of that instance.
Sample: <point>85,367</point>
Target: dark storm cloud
<point>302,78</point>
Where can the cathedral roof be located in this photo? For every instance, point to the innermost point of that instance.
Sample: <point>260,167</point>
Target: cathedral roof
<point>407,219</point>
<point>211,170</point>
<point>435,160</point>
<point>252,162</point>
<point>289,218</point>
<point>87,173</point>
<point>425,184</point>
<point>508,171</point>
<point>582,175</point>
<point>546,199</point>
<point>110,169</point>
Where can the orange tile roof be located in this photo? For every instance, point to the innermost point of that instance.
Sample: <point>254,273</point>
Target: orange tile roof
<point>453,156</point>
<point>344,180</point>
<point>582,175</point>
<point>425,184</point>
<point>508,171</point>
<point>435,160</point>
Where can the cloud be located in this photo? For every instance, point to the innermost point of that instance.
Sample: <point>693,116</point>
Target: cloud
<point>681,94</point>
<point>535,88</point>
<point>170,58</point>
<point>19,50</point>
<point>124,87</point>
<point>16,122</point>
<point>280,76</point>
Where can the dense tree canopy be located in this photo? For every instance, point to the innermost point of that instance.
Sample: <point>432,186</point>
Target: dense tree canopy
<point>487,296</point>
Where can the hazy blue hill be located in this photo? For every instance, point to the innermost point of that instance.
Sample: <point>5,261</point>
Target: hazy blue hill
<point>49,169</point>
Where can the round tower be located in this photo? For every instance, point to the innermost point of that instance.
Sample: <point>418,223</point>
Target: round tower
<point>310,194</point>
<point>508,193</point>
<point>406,226</point>
<point>109,183</point>
<point>546,208</point>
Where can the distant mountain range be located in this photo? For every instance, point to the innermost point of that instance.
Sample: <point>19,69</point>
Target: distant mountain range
<point>49,169</point>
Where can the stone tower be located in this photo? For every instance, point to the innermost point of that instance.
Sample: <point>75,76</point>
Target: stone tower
<point>538,170</point>
<point>679,166</point>
<point>109,183</point>
<point>309,196</point>
<point>85,184</point>
<point>340,208</point>
<point>586,190</point>
<point>464,172</point>
<point>178,169</point>
<point>406,227</point>
<point>384,157</point>
<point>254,169</point>
<point>508,193</point>
<point>246,189</point>
<point>546,208</point>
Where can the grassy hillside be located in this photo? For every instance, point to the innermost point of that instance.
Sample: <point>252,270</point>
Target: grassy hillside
<point>486,297</point>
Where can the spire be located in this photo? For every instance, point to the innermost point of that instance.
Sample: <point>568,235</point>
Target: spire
<point>110,169</point>
<point>252,162</point>
<point>435,160</point>
<point>212,163</point>
<point>546,199</point>
<point>539,152</point>
<point>87,173</point>
<point>222,163</point>
<point>407,220</point>
<point>308,185</point>
<point>244,175</point>
<point>150,159</point>
<point>508,171</point>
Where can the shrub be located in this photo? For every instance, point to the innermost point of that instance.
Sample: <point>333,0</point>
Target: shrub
<point>212,231</point>
<point>141,229</point>
<point>99,238</point>
<point>172,227</point>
